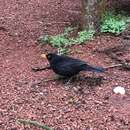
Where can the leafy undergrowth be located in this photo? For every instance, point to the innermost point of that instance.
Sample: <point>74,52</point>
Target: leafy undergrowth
<point>63,40</point>
<point>114,23</point>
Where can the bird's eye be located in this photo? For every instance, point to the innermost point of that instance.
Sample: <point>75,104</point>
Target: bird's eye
<point>49,57</point>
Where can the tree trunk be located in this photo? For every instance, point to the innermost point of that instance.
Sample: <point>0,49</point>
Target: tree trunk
<point>91,13</point>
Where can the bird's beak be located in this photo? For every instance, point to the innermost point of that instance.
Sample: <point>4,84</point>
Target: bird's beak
<point>43,55</point>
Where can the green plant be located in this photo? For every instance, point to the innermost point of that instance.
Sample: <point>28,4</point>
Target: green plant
<point>114,23</point>
<point>62,41</point>
<point>84,36</point>
<point>62,51</point>
<point>44,39</point>
<point>59,41</point>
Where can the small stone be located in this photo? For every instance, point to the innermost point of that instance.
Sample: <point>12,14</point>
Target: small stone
<point>41,93</point>
<point>119,90</point>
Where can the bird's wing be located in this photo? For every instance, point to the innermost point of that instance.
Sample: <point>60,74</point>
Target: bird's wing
<point>72,63</point>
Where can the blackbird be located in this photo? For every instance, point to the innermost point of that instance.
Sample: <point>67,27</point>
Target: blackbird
<point>67,67</point>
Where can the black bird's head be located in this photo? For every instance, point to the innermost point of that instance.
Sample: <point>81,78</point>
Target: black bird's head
<point>50,56</point>
<point>53,58</point>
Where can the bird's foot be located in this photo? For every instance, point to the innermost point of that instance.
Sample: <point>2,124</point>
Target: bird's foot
<point>69,81</point>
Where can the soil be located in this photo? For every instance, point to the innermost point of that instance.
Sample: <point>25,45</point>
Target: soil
<point>87,103</point>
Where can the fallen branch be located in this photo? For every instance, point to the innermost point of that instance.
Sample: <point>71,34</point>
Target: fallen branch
<point>35,123</point>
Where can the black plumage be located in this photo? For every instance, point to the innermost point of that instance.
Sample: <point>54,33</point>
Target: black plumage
<point>68,67</point>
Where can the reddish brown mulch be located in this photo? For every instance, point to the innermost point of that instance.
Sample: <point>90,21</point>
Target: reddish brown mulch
<point>23,94</point>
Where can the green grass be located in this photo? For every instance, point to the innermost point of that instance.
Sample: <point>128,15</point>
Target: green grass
<point>114,23</point>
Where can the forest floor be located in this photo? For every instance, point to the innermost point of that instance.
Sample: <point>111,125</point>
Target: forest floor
<point>82,105</point>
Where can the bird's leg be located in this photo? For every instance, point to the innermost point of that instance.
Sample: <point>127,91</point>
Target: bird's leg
<point>56,77</point>
<point>59,77</point>
<point>69,80</point>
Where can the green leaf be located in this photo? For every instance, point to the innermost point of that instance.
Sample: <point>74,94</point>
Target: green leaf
<point>113,23</point>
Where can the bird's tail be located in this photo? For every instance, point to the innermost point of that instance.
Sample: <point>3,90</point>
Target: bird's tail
<point>93,69</point>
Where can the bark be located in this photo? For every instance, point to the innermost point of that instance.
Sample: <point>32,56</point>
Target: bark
<point>92,11</point>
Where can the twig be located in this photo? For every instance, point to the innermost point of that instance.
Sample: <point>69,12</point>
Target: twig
<point>124,65</point>
<point>40,69</point>
<point>113,66</point>
<point>35,123</point>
